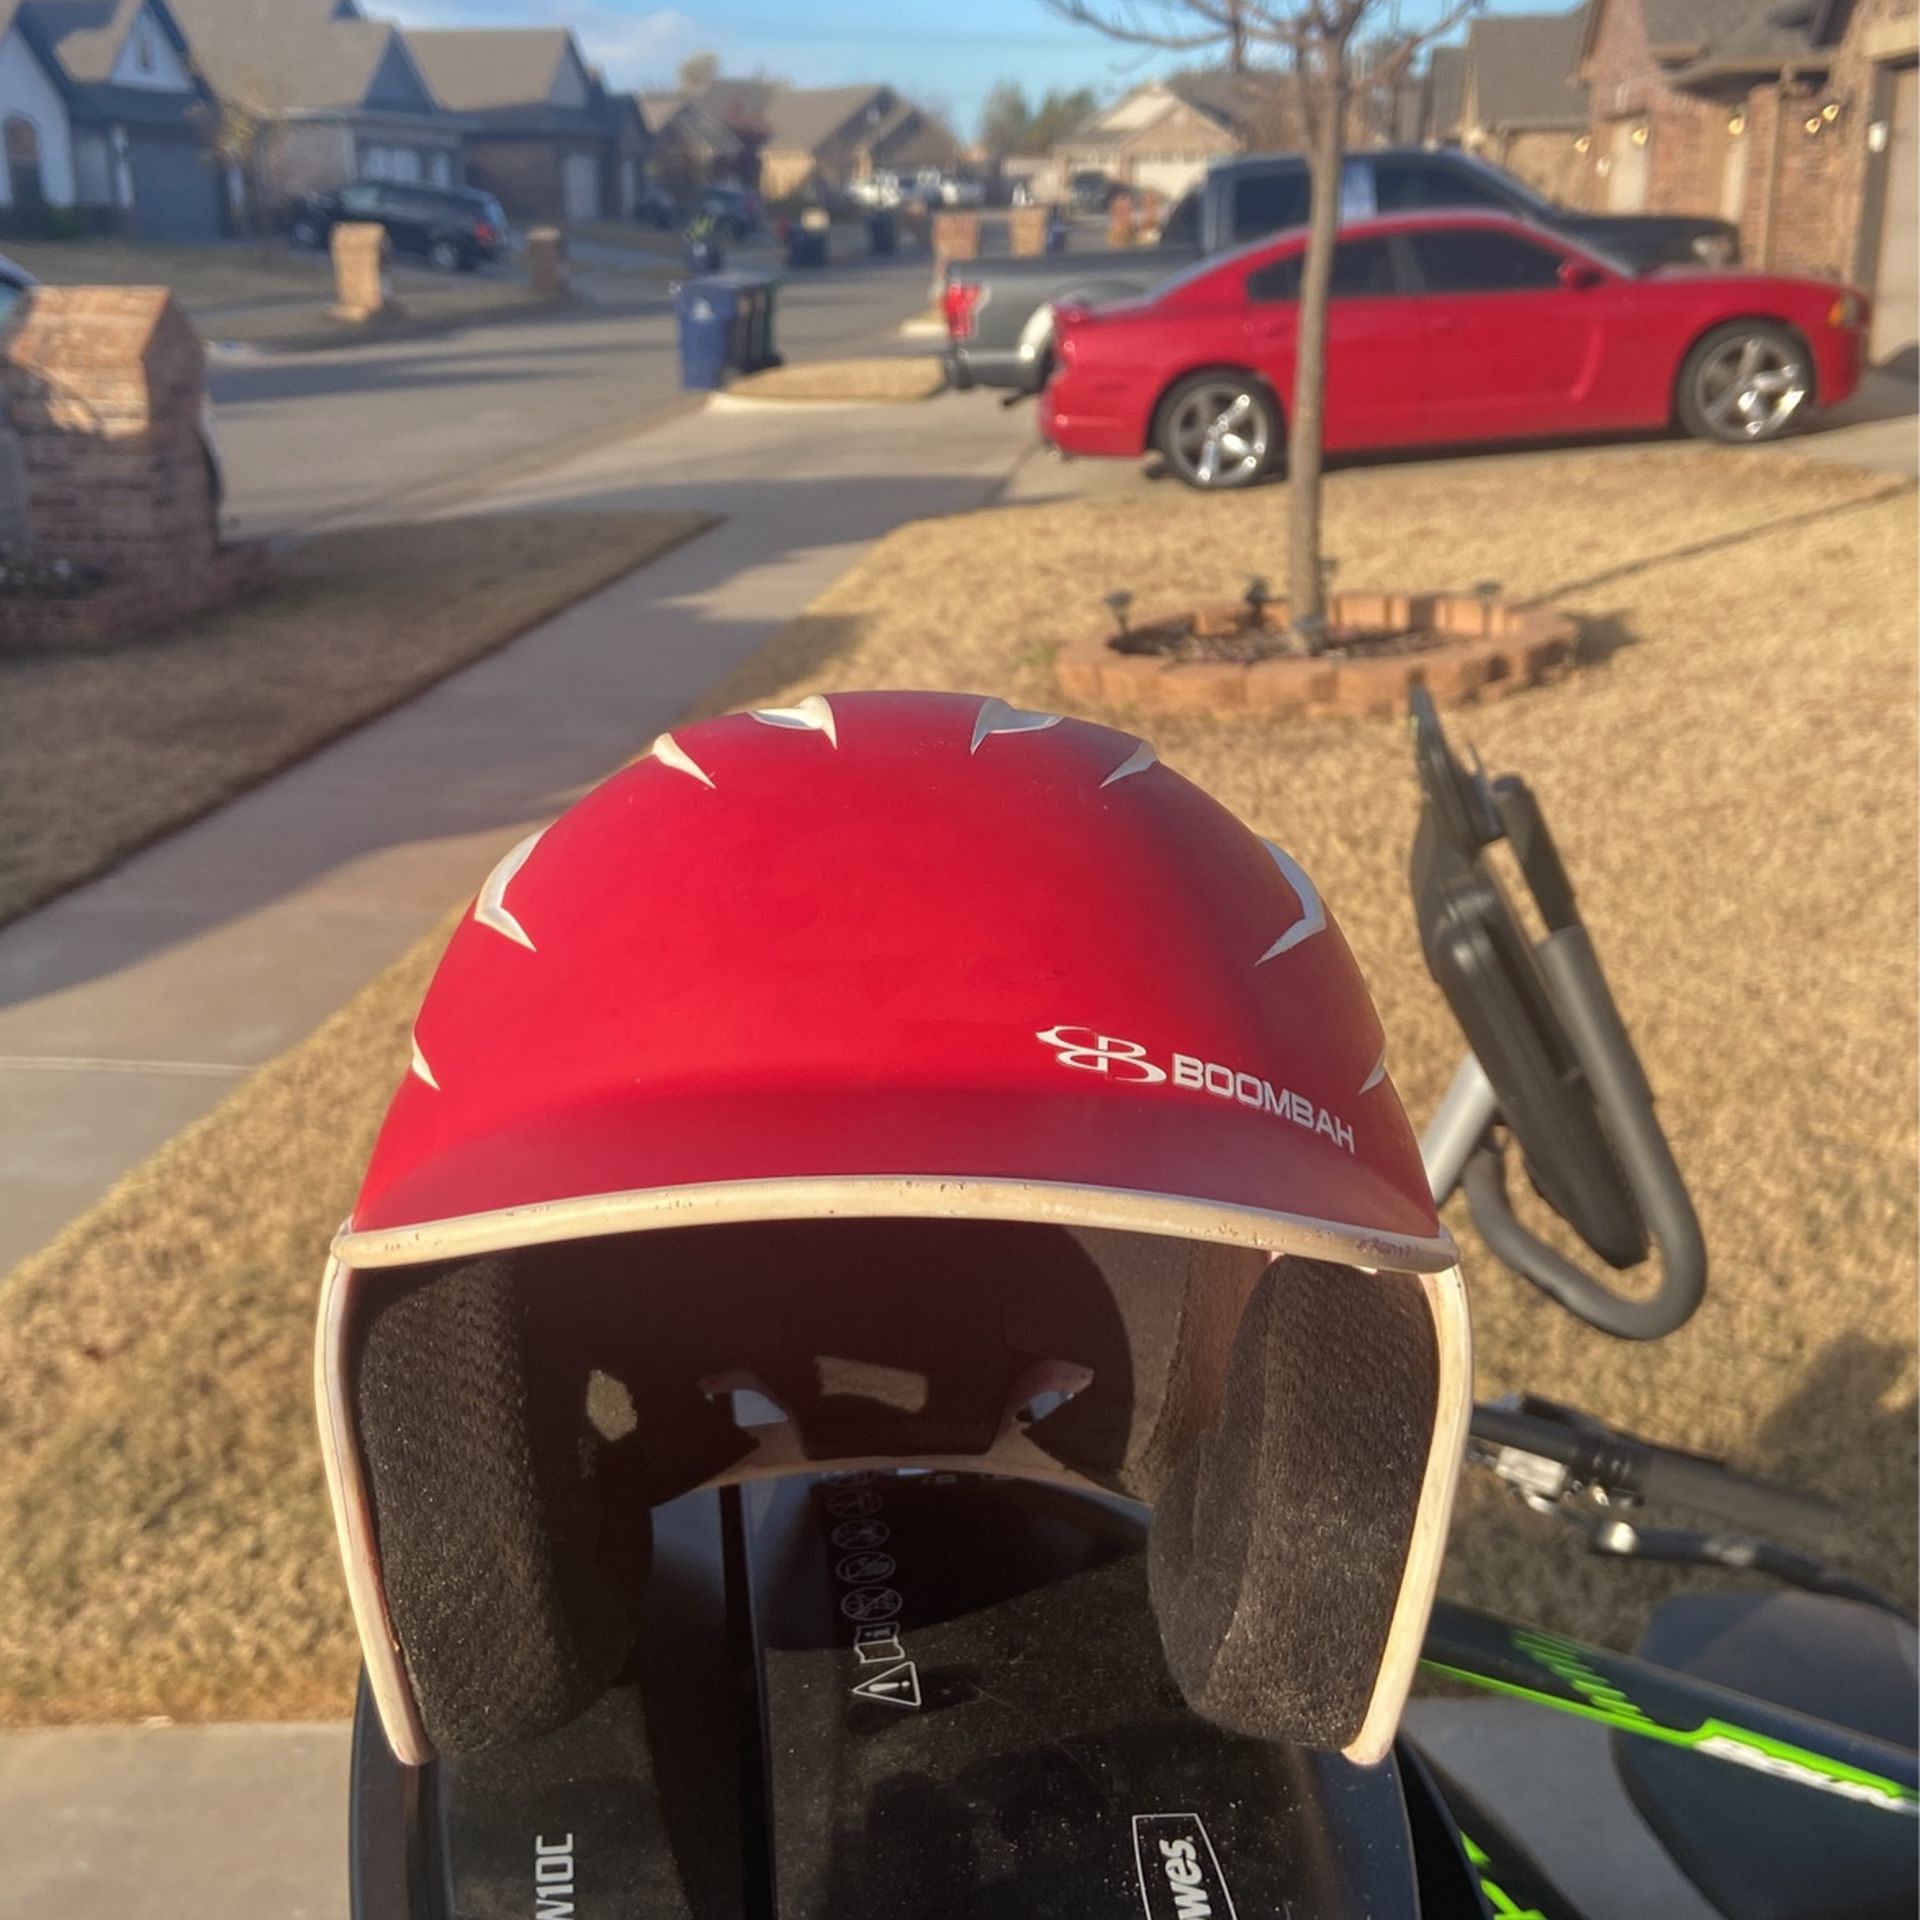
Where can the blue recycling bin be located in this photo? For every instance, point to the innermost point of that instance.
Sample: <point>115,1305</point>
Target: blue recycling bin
<point>706,311</point>
<point>726,326</point>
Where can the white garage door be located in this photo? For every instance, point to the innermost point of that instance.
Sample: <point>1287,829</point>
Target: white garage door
<point>1896,280</point>
<point>1169,177</point>
<point>580,180</point>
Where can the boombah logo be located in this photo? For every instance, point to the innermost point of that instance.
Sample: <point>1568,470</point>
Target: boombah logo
<point>1180,1877</point>
<point>1128,1062</point>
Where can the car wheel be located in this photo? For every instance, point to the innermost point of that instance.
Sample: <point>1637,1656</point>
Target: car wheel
<point>446,256</point>
<point>1744,382</point>
<point>1218,430</point>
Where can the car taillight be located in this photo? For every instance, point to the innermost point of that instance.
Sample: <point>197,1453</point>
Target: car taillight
<point>483,233</point>
<point>1849,310</point>
<point>961,303</point>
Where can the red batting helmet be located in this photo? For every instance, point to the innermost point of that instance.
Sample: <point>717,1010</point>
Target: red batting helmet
<point>891,1036</point>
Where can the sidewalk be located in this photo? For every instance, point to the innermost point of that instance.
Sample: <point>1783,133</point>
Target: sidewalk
<point>128,1007</point>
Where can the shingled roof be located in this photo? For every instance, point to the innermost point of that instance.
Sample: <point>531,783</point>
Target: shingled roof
<point>1521,70</point>
<point>85,35</point>
<point>80,42</point>
<point>1703,40</point>
<point>292,55</point>
<point>502,77</point>
<point>1766,40</point>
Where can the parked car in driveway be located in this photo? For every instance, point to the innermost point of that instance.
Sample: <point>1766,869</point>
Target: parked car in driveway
<point>733,210</point>
<point>1444,329</point>
<point>998,310</point>
<point>654,206</point>
<point>452,228</point>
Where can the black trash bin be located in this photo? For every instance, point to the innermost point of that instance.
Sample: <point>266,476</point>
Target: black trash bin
<point>707,312</point>
<point>754,349</point>
<point>807,247</point>
<point>883,233</point>
<point>704,254</point>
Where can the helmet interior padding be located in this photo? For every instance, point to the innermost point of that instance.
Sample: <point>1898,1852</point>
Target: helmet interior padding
<point>1278,1541</point>
<point>1285,1460</point>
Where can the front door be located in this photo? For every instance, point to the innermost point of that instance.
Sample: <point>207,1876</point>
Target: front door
<point>1511,353</point>
<point>1896,284</point>
<point>1376,355</point>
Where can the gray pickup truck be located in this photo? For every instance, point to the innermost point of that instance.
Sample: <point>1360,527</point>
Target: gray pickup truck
<point>1000,312</point>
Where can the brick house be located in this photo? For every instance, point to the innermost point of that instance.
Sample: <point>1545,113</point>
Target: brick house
<point>801,139</point>
<point>1162,137</point>
<point>542,133</point>
<point>1796,121</point>
<point>691,147</point>
<point>1521,104</point>
<point>342,97</point>
<point>907,141</point>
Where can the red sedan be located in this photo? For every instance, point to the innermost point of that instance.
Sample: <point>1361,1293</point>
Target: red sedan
<point>1444,328</point>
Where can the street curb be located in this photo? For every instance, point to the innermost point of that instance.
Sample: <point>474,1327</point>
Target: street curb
<point>724,402</point>
<point>381,333</point>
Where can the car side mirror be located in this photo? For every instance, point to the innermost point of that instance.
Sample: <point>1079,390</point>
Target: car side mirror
<point>1578,275</point>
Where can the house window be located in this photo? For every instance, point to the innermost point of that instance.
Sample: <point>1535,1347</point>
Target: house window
<point>23,163</point>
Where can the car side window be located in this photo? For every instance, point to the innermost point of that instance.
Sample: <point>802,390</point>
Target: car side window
<point>1265,203</point>
<point>1414,186</point>
<point>1483,260</point>
<point>1181,228</point>
<point>1362,270</point>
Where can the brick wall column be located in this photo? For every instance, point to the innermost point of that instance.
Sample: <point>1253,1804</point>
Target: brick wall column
<point>103,388</point>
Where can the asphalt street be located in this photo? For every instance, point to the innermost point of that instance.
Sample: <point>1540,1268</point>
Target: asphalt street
<point>310,438</point>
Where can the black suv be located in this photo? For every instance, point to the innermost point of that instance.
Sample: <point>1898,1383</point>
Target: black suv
<point>452,228</point>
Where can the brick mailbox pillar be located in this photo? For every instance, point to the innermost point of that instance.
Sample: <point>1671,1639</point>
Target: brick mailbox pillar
<point>102,389</point>
<point>1027,229</point>
<point>361,292</point>
<point>547,263</point>
<point>956,236</point>
<point>1120,220</point>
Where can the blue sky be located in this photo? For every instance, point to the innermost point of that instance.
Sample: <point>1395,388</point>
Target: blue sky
<point>937,51</point>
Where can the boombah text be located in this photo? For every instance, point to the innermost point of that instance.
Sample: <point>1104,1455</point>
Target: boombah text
<point>1252,1091</point>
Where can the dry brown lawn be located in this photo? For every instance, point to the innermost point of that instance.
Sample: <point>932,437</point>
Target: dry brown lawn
<point>200,276</point>
<point>425,300</point>
<point>902,377</point>
<point>1731,780</point>
<point>99,752</point>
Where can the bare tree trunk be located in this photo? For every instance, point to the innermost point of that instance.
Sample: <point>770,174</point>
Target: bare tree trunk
<point>1305,587</point>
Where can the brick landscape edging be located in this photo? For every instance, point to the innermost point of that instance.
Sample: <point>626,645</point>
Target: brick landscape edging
<point>1494,651</point>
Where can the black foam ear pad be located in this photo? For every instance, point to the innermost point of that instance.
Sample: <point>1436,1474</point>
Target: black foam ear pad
<point>1280,1539</point>
<point>512,1539</point>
